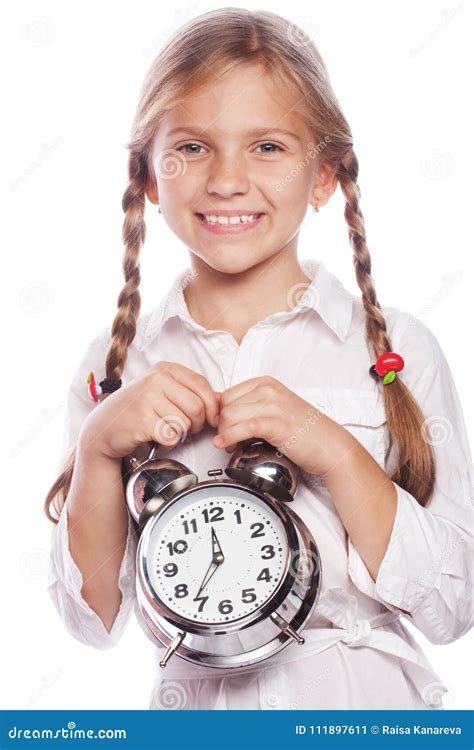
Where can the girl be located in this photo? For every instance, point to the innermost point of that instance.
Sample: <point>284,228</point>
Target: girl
<point>238,130</point>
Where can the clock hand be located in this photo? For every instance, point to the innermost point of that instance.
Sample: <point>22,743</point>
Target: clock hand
<point>217,559</point>
<point>210,572</point>
<point>218,555</point>
<point>216,565</point>
<point>212,563</point>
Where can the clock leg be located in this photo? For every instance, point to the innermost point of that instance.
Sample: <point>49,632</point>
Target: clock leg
<point>172,648</point>
<point>286,627</point>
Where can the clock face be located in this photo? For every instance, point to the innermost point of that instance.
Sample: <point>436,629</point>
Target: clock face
<point>216,555</point>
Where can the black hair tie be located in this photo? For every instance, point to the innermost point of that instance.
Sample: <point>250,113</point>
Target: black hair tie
<point>107,385</point>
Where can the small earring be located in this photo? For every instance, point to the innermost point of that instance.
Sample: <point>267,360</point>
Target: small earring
<point>159,208</point>
<point>316,206</point>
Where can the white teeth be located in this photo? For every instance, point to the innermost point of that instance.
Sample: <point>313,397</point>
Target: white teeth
<point>245,218</point>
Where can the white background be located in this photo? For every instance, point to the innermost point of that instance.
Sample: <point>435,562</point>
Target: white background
<point>72,75</point>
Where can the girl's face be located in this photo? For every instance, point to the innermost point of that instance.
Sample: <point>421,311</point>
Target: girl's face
<point>224,150</point>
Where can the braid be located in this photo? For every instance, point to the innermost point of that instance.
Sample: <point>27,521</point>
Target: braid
<point>415,471</point>
<point>129,302</point>
<point>125,323</point>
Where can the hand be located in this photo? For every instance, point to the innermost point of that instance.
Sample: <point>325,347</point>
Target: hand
<point>162,406</point>
<point>263,407</point>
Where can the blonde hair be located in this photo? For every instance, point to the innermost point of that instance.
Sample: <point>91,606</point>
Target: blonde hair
<point>209,46</point>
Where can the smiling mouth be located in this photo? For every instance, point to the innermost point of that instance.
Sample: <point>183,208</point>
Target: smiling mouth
<point>229,220</point>
<point>229,224</point>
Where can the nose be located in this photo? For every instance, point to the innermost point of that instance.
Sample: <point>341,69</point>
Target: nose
<point>228,175</point>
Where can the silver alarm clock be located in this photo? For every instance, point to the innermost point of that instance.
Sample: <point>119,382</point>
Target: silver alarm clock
<point>227,574</point>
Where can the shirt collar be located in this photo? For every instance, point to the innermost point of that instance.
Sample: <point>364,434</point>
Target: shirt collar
<point>326,295</point>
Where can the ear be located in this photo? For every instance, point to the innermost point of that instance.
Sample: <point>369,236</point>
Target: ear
<point>324,185</point>
<point>151,191</point>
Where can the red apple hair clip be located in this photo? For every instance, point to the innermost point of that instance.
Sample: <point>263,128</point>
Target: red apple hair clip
<point>108,385</point>
<point>387,366</point>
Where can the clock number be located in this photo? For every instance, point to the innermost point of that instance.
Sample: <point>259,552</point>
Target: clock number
<point>180,590</point>
<point>203,600</point>
<point>258,529</point>
<point>225,606</point>
<point>193,526</point>
<point>264,575</point>
<point>213,514</point>
<point>170,569</point>
<point>238,516</point>
<point>271,551</point>
<point>179,547</point>
<point>248,593</point>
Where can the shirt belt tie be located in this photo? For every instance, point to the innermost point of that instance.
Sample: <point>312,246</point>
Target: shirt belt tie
<point>361,635</point>
<point>342,609</point>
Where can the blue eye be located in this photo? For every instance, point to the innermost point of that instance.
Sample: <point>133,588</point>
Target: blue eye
<point>185,145</point>
<point>270,144</point>
<point>197,145</point>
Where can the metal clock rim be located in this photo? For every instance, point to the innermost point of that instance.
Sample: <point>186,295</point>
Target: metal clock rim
<point>240,624</point>
<point>260,653</point>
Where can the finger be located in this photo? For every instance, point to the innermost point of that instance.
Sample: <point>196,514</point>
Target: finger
<point>188,403</point>
<point>201,387</point>
<point>169,428</point>
<point>239,390</point>
<point>237,412</point>
<point>254,427</point>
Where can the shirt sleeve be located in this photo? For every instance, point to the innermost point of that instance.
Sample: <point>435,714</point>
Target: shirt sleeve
<point>426,572</point>
<point>65,580</point>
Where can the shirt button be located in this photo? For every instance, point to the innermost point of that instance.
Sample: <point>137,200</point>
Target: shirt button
<point>272,699</point>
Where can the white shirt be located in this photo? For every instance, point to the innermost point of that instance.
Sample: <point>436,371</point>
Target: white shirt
<point>357,653</point>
